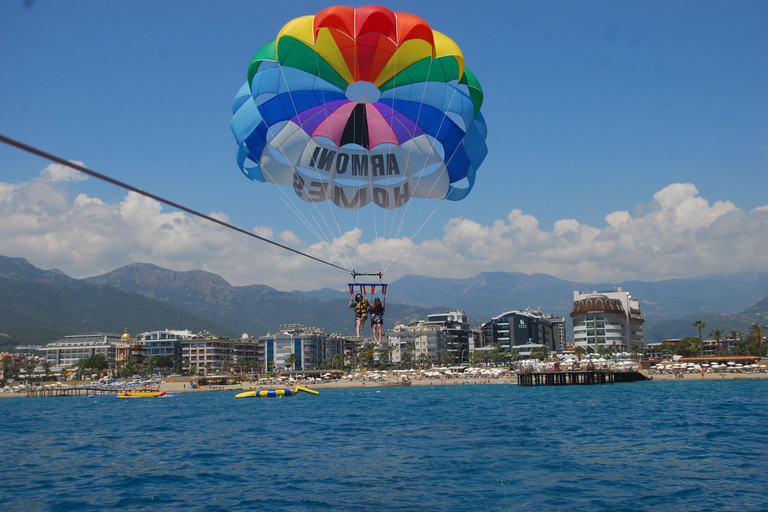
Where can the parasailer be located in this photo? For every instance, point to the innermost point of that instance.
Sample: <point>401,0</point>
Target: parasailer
<point>360,108</point>
<point>376,310</point>
<point>360,305</point>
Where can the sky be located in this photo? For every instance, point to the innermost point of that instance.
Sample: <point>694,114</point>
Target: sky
<point>627,140</point>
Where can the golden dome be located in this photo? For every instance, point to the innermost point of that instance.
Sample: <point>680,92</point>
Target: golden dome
<point>125,335</point>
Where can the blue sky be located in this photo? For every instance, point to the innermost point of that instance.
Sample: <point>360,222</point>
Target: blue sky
<point>627,140</point>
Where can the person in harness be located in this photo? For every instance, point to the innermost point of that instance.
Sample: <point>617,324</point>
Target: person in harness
<point>361,306</point>
<point>377,319</point>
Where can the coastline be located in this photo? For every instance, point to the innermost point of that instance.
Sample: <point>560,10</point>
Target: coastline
<point>182,385</point>
<point>179,387</point>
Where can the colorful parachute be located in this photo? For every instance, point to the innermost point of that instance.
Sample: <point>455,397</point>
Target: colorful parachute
<point>361,106</point>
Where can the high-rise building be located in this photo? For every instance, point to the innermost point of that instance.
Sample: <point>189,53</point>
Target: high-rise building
<point>524,330</point>
<point>423,342</point>
<point>609,319</point>
<point>310,345</point>
<point>455,324</point>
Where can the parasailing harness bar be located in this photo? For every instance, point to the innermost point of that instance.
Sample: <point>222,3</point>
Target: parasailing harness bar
<point>362,287</point>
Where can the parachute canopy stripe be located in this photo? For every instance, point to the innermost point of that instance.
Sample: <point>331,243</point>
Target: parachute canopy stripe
<point>361,94</point>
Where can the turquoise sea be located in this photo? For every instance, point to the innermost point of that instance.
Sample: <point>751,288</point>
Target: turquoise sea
<point>658,445</point>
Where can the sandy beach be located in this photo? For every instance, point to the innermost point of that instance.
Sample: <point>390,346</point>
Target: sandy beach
<point>182,384</point>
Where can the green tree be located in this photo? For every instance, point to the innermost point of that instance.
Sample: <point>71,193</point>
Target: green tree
<point>700,324</point>
<point>411,348</point>
<point>47,369</point>
<point>757,331</point>
<point>151,365</point>
<point>736,337</point>
<point>538,353</point>
<point>475,357</point>
<point>423,359</point>
<point>688,347</point>
<point>292,360</point>
<point>718,335</point>
<point>6,369</point>
<point>29,369</point>
<point>164,363</point>
<point>636,351</point>
<point>368,353</point>
<point>339,360</point>
<point>405,359</point>
<point>130,365</point>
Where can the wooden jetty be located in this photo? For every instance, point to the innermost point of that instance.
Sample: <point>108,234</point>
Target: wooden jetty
<point>578,378</point>
<point>76,391</point>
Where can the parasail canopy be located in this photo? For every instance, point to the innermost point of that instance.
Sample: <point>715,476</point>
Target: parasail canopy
<point>361,105</point>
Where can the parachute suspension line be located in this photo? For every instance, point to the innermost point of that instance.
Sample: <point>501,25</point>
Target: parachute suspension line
<point>421,205</point>
<point>407,207</point>
<point>102,177</point>
<point>316,228</point>
<point>392,261</point>
<point>327,238</point>
<point>328,202</point>
<point>300,215</point>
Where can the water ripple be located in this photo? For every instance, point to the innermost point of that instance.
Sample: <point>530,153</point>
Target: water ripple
<point>645,446</point>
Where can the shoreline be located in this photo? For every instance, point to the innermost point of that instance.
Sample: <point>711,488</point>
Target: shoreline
<point>182,385</point>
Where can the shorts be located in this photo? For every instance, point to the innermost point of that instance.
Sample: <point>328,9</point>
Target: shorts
<point>361,315</point>
<point>377,320</point>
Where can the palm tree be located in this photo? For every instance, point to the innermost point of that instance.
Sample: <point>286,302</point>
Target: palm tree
<point>30,370</point>
<point>388,349</point>
<point>636,351</point>
<point>47,369</point>
<point>717,334</point>
<point>700,324</point>
<point>411,347</point>
<point>538,353</point>
<point>339,359</point>
<point>758,331</point>
<point>368,353</point>
<point>292,360</point>
<point>736,337</point>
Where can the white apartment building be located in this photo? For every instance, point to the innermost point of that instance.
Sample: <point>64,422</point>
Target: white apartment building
<point>428,339</point>
<point>609,319</point>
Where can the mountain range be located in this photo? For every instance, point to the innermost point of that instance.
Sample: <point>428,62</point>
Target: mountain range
<point>38,306</point>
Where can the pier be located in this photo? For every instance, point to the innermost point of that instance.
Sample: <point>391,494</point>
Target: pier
<point>89,390</point>
<point>584,378</point>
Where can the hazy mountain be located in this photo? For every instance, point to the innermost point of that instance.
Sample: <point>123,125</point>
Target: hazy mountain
<point>253,309</point>
<point>22,270</point>
<point>670,307</point>
<point>683,326</point>
<point>490,293</point>
<point>36,313</point>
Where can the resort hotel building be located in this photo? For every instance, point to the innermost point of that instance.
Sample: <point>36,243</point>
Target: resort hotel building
<point>420,341</point>
<point>606,320</point>
<point>523,331</point>
<point>68,351</point>
<point>458,335</point>
<point>209,354</point>
<point>310,346</point>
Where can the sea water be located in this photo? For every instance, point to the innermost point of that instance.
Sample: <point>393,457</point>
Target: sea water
<point>660,445</point>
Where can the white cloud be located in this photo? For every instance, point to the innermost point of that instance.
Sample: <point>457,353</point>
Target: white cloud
<point>58,172</point>
<point>679,234</point>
